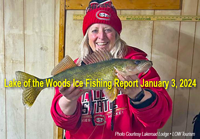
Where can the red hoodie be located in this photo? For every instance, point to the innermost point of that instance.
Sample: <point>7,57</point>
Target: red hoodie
<point>130,120</point>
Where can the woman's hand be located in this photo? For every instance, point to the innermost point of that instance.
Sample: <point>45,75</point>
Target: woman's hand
<point>132,91</point>
<point>68,102</point>
<point>71,93</point>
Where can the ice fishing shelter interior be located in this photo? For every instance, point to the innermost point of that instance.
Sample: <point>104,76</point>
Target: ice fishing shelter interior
<point>171,38</point>
<point>36,34</point>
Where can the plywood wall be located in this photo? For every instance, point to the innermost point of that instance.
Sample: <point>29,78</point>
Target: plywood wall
<point>29,42</point>
<point>2,76</point>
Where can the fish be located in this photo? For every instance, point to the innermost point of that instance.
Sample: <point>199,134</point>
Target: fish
<point>100,65</point>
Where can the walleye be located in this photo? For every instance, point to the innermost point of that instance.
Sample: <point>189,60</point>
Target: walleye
<point>99,66</point>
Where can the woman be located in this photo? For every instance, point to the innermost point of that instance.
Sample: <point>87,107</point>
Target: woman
<point>88,114</point>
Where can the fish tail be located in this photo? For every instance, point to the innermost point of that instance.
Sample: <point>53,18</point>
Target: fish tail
<point>30,92</point>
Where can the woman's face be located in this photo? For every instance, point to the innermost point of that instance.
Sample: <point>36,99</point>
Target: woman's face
<point>101,36</point>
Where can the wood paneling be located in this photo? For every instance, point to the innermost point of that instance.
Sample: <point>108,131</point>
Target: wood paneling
<point>184,64</point>
<point>194,103</point>
<point>61,30</point>
<point>74,34</point>
<point>39,61</point>
<point>164,54</point>
<point>14,60</point>
<point>56,31</point>
<point>189,7</point>
<point>134,33</point>
<point>129,4</point>
<point>56,53</point>
<point>2,75</point>
<point>59,45</point>
<point>26,44</point>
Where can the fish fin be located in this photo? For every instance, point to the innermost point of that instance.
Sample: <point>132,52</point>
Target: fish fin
<point>30,93</point>
<point>111,94</point>
<point>29,96</point>
<point>97,56</point>
<point>66,63</point>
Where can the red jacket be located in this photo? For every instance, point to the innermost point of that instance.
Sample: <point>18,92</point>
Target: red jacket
<point>130,121</point>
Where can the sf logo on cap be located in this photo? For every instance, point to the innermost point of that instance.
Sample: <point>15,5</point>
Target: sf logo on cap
<point>103,15</point>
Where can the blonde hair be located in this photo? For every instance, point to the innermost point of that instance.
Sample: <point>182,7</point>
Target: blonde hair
<point>118,51</point>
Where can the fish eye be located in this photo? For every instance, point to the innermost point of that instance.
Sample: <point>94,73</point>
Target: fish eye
<point>137,62</point>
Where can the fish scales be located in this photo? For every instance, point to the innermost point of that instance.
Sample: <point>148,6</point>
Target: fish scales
<point>102,71</point>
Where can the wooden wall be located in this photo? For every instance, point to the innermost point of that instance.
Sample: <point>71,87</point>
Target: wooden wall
<point>29,42</point>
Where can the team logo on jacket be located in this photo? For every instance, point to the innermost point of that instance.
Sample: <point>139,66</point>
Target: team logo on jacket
<point>103,15</point>
<point>99,119</point>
